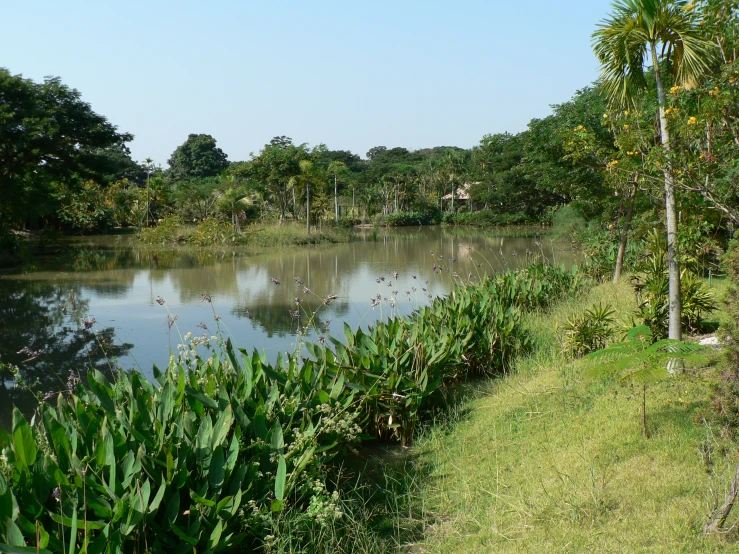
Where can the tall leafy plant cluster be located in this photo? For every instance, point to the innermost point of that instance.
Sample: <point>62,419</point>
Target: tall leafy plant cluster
<point>653,292</point>
<point>207,457</point>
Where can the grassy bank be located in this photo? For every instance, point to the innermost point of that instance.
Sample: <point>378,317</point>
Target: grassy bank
<point>547,460</point>
<point>213,232</point>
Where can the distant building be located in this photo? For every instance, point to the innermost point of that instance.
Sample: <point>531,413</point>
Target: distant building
<point>461,197</point>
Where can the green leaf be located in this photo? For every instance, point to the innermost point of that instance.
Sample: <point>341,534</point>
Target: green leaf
<point>204,399</point>
<point>157,500</point>
<point>280,478</point>
<point>73,531</point>
<point>173,507</point>
<point>7,500</point>
<point>217,472</point>
<point>202,500</point>
<point>215,536</point>
<point>232,355</point>
<point>24,445</point>
<point>204,439</point>
<point>233,453</point>
<point>59,440</point>
<point>338,387</point>
<point>98,385</point>
<point>184,536</point>
<point>13,534</point>
<point>110,460</point>
<point>278,441</point>
<point>10,549</point>
<point>222,426</point>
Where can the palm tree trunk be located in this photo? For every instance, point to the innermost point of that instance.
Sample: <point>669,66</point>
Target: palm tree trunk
<point>675,310</point>
<point>336,202</point>
<point>625,234</point>
<point>307,209</point>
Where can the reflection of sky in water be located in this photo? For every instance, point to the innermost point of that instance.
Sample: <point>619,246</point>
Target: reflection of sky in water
<point>122,295</point>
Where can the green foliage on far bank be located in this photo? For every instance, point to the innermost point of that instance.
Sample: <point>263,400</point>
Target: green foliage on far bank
<point>215,232</point>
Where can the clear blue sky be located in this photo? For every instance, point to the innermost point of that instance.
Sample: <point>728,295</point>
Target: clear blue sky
<point>349,74</point>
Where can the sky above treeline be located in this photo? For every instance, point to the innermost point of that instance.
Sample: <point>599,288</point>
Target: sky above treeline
<point>350,74</point>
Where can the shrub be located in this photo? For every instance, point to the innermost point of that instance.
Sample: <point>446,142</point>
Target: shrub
<point>167,231</point>
<point>588,331</point>
<point>726,395</point>
<point>485,218</point>
<point>653,297</point>
<point>199,459</point>
<point>212,231</point>
<point>429,216</point>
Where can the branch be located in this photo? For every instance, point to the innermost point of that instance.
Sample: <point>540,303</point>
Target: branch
<point>717,519</point>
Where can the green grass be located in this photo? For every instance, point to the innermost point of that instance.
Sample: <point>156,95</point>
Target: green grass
<point>546,460</point>
<point>212,232</point>
<point>290,234</point>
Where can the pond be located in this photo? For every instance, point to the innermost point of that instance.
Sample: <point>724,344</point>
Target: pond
<point>107,302</point>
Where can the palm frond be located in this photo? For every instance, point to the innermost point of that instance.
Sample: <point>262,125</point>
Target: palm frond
<point>621,43</point>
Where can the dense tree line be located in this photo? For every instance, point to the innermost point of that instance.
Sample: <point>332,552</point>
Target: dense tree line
<point>602,153</point>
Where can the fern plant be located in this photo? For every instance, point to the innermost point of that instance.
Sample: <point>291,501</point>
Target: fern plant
<point>641,361</point>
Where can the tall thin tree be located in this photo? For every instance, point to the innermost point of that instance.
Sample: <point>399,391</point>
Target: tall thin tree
<point>635,32</point>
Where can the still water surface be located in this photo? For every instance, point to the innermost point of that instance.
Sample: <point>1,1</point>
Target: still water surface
<point>116,282</point>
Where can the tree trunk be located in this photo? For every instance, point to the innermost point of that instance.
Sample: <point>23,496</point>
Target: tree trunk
<point>625,233</point>
<point>717,519</point>
<point>675,310</point>
<point>307,208</point>
<point>336,201</point>
<point>644,431</point>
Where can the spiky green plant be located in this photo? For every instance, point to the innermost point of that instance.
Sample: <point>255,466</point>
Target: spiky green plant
<point>588,331</point>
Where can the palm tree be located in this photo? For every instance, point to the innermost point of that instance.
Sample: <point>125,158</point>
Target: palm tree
<point>149,166</point>
<point>337,168</point>
<point>622,44</point>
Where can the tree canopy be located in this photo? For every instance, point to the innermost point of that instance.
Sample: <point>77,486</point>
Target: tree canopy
<point>196,158</point>
<point>48,136</point>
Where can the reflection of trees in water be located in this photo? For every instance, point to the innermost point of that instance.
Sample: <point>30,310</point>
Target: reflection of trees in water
<point>41,337</point>
<point>276,321</point>
<point>128,255</point>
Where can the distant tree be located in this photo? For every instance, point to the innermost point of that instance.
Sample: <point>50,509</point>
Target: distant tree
<point>196,158</point>
<point>48,136</point>
<point>274,170</point>
<point>339,171</point>
<point>375,152</point>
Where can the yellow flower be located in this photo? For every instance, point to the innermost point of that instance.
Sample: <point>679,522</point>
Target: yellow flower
<point>731,79</point>
<point>675,89</point>
<point>693,120</point>
<point>626,113</point>
<point>605,116</point>
<point>611,164</point>
<point>626,126</point>
<point>714,92</point>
